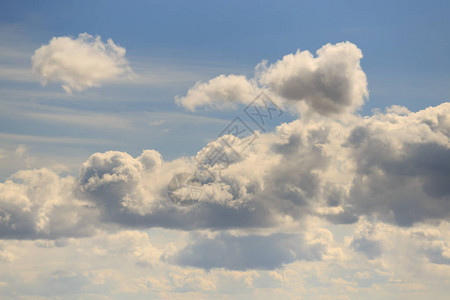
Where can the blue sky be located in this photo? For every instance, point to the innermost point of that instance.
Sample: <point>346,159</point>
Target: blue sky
<point>348,195</point>
<point>404,43</point>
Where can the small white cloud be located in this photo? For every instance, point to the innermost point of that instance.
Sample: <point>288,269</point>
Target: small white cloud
<point>79,63</point>
<point>398,109</point>
<point>219,92</point>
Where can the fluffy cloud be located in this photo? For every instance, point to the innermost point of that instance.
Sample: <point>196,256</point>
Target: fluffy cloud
<point>390,166</point>
<point>79,63</point>
<point>353,207</point>
<point>402,166</point>
<point>387,175</point>
<point>220,92</point>
<point>40,204</point>
<point>330,83</point>
<point>133,192</point>
<point>378,240</point>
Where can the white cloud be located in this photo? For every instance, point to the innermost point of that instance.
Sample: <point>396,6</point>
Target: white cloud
<point>79,63</point>
<point>387,172</point>
<point>391,166</point>
<point>219,92</point>
<point>133,192</point>
<point>125,264</point>
<point>40,204</point>
<point>135,245</point>
<point>278,207</point>
<point>402,165</point>
<point>331,83</point>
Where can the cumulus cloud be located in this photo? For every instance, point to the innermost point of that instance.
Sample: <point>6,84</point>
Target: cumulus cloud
<point>387,173</point>
<point>402,166</point>
<point>330,83</point>
<point>128,192</point>
<point>260,222</point>
<point>79,63</point>
<point>391,166</point>
<point>41,204</point>
<point>219,92</point>
<point>379,240</point>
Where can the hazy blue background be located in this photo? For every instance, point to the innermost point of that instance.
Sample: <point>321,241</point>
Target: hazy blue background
<point>405,46</point>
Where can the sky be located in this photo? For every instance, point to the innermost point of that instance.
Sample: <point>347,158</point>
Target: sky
<point>224,149</point>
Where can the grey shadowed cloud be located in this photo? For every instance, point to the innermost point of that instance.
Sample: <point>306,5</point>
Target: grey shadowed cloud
<point>248,252</point>
<point>403,167</point>
<point>390,166</point>
<point>330,83</point>
<point>40,204</point>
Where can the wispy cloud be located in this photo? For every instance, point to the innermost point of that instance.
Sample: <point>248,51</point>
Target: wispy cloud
<point>53,139</point>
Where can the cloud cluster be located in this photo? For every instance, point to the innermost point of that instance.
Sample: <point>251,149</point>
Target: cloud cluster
<point>79,63</point>
<point>330,83</point>
<point>388,172</point>
<point>390,166</point>
<point>402,166</point>
<point>375,239</point>
<point>133,192</point>
<point>40,204</point>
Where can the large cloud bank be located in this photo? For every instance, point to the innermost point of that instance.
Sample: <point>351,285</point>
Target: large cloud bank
<point>389,170</point>
<point>79,63</point>
<point>391,167</point>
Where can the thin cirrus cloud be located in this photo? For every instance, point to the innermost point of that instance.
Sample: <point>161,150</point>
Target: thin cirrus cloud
<point>79,63</point>
<point>330,83</point>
